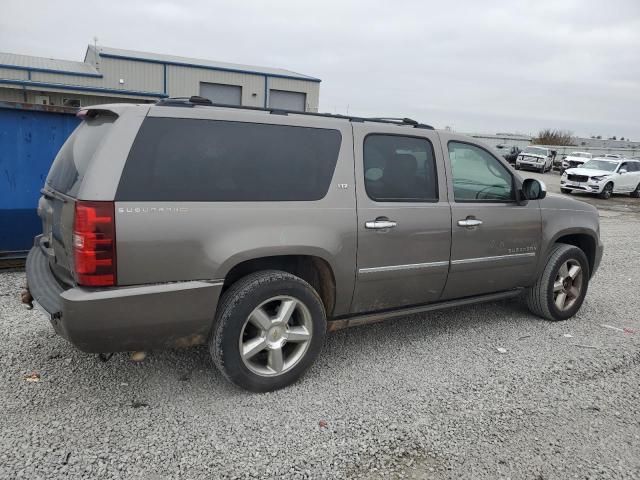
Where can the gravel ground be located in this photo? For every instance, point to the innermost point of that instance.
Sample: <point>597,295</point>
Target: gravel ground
<point>422,397</point>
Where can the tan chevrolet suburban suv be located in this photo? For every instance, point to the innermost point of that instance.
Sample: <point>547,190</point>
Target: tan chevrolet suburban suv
<point>257,231</point>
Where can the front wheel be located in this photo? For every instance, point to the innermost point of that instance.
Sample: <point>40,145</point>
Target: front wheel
<point>566,190</point>
<point>517,167</point>
<point>560,290</point>
<point>269,329</point>
<point>606,192</point>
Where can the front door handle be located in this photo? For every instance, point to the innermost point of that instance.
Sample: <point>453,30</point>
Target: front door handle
<point>469,222</point>
<point>380,224</point>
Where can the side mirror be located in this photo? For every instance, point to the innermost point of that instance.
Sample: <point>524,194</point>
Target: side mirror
<point>622,170</point>
<point>534,189</point>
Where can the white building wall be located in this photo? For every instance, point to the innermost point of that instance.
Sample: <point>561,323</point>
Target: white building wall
<point>10,73</point>
<point>185,81</point>
<point>139,76</point>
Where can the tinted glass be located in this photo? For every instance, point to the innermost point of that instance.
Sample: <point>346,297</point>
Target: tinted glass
<point>399,169</point>
<point>210,160</point>
<point>73,159</point>
<point>477,175</point>
<point>536,151</point>
<point>607,165</point>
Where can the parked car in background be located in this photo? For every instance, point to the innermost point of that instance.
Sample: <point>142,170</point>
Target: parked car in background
<point>611,155</point>
<point>535,158</point>
<point>603,176</point>
<point>575,159</point>
<point>256,231</point>
<point>509,153</point>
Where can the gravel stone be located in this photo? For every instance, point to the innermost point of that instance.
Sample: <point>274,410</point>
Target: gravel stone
<point>421,397</point>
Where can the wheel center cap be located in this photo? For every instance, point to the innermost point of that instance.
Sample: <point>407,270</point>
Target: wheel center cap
<point>566,283</point>
<point>276,336</point>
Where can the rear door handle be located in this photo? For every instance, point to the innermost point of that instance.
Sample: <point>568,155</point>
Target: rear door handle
<point>469,222</point>
<point>379,224</point>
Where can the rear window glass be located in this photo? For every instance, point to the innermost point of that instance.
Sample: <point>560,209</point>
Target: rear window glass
<point>211,160</point>
<point>73,159</point>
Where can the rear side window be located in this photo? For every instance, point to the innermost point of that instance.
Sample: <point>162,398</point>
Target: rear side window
<point>399,169</point>
<point>73,159</point>
<point>211,160</point>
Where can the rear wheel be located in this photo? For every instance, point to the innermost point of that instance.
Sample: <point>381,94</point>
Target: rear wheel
<point>269,329</point>
<point>636,192</point>
<point>566,190</point>
<point>560,290</point>
<point>607,191</point>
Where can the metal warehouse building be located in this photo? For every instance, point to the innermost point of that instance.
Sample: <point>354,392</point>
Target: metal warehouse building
<point>114,75</point>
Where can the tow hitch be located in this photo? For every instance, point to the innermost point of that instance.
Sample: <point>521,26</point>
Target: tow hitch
<point>26,298</point>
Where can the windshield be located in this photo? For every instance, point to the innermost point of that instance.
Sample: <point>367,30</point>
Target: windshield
<point>536,151</point>
<point>580,155</point>
<point>605,165</point>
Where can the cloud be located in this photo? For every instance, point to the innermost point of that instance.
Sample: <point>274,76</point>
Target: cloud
<point>477,66</point>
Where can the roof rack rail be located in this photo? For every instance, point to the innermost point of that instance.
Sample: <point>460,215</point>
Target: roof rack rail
<point>195,100</point>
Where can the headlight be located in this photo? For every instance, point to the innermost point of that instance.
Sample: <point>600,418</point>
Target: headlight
<point>599,178</point>
<point>564,174</point>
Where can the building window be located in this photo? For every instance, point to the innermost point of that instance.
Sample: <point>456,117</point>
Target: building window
<point>71,102</point>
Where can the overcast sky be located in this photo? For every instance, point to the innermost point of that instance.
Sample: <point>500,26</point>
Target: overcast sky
<point>477,66</point>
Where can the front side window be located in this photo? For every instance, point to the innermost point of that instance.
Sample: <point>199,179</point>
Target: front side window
<point>478,176</point>
<point>399,169</point>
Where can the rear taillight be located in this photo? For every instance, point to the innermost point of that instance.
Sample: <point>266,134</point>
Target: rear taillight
<point>94,244</point>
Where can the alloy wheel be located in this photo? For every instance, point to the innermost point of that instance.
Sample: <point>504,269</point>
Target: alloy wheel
<point>275,336</point>
<point>568,285</point>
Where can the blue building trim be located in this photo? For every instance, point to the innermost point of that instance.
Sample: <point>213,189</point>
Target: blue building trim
<point>205,67</point>
<point>164,72</point>
<point>82,88</point>
<point>266,90</point>
<point>50,70</point>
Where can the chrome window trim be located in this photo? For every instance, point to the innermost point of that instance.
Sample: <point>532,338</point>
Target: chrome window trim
<point>492,259</point>
<point>410,266</point>
<point>415,266</point>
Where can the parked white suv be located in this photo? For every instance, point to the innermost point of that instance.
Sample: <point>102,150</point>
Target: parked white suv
<point>603,176</point>
<point>535,158</point>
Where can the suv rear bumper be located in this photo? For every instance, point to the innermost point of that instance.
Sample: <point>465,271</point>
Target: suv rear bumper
<point>166,315</point>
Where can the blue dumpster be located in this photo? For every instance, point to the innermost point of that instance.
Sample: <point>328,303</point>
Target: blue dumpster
<point>30,137</point>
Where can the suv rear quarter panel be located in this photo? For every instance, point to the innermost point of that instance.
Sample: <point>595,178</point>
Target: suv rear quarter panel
<point>101,181</point>
<point>178,241</point>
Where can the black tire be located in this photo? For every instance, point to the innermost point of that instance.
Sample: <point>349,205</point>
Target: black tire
<point>517,166</point>
<point>636,192</point>
<point>235,306</point>
<point>540,297</point>
<point>606,192</point>
<point>566,190</point>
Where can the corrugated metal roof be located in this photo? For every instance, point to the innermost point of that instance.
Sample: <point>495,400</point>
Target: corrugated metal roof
<point>194,62</point>
<point>13,60</point>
